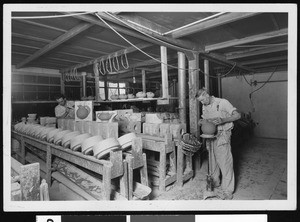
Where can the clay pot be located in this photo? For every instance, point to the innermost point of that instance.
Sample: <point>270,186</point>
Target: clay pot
<point>105,116</point>
<point>114,97</point>
<point>150,94</point>
<point>83,111</point>
<point>141,95</point>
<point>131,96</point>
<point>123,96</point>
<point>208,128</point>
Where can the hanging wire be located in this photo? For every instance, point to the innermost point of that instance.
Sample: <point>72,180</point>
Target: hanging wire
<point>250,95</point>
<point>51,16</point>
<point>148,34</point>
<point>150,55</point>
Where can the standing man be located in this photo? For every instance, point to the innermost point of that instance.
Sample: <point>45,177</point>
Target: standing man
<point>64,109</point>
<point>222,114</point>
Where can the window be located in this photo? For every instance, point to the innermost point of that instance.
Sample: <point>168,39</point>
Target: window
<point>113,88</point>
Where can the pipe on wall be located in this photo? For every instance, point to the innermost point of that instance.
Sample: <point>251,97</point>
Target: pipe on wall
<point>181,87</point>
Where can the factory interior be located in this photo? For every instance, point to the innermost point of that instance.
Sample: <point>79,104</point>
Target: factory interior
<point>131,79</point>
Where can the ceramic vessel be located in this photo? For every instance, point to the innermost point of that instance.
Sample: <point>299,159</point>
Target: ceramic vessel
<point>32,115</point>
<point>150,94</point>
<point>125,141</point>
<point>50,134</point>
<point>65,141</point>
<point>208,128</point>
<point>100,149</point>
<point>123,96</point>
<point>37,130</point>
<point>131,96</point>
<point>75,143</point>
<point>141,95</point>
<point>59,135</point>
<point>87,145</point>
<point>106,116</point>
<point>83,111</point>
<point>114,97</point>
<point>44,132</point>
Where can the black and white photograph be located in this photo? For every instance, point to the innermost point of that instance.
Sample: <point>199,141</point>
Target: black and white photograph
<point>149,107</point>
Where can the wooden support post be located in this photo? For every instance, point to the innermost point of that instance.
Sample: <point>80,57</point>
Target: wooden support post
<point>84,84</point>
<point>193,88</point>
<point>219,85</point>
<point>194,103</point>
<point>105,87</point>
<point>164,72</point>
<point>206,76</point>
<point>62,83</point>
<point>181,87</point>
<point>97,87</point>
<point>48,165</point>
<point>144,80</point>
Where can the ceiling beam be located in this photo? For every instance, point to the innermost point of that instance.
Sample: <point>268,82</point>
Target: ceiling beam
<point>255,52</point>
<point>58,41</point>
<point>63,53</point>
<point>118,53</point>
<point>222,20</point>
<point>249,39</point>
<point>185,44</point>
<point>220,59</point>
<point>258,61</point>
<point>33,38</point>
<point>177,44</point>
<point>119,26</point>
<point>143,22</point>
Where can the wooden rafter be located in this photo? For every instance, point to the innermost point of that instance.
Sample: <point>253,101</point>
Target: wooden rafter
<point>255,52</point>
<point>222,20</point>
<point>118,53</point>
<point>173,43</point>
<point>249,39</point>
<point>258,61</point>
<point>58,41</point>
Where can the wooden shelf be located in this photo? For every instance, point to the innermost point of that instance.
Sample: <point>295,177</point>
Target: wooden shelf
<point>32,102</point>
<point>132,100</point>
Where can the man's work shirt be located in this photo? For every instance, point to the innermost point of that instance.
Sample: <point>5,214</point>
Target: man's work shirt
<point>219,108</point>
<point>60,110</point>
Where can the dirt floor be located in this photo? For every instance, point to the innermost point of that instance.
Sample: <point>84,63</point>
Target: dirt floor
<point>260,172</point>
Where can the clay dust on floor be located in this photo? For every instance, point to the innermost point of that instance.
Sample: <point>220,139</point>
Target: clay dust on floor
<point>260,171</point>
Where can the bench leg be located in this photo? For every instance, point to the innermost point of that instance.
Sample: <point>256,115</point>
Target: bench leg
<point>162,170</point>
<point>107,181</point>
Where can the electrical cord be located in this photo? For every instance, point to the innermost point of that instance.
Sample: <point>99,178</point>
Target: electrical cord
<point>51,16</point>
<point>250,95</point>
<point>148,34</point>
<point>155,58</point>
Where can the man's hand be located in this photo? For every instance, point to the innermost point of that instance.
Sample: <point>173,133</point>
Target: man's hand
<point>218,121</point>
<point>200,122</point>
